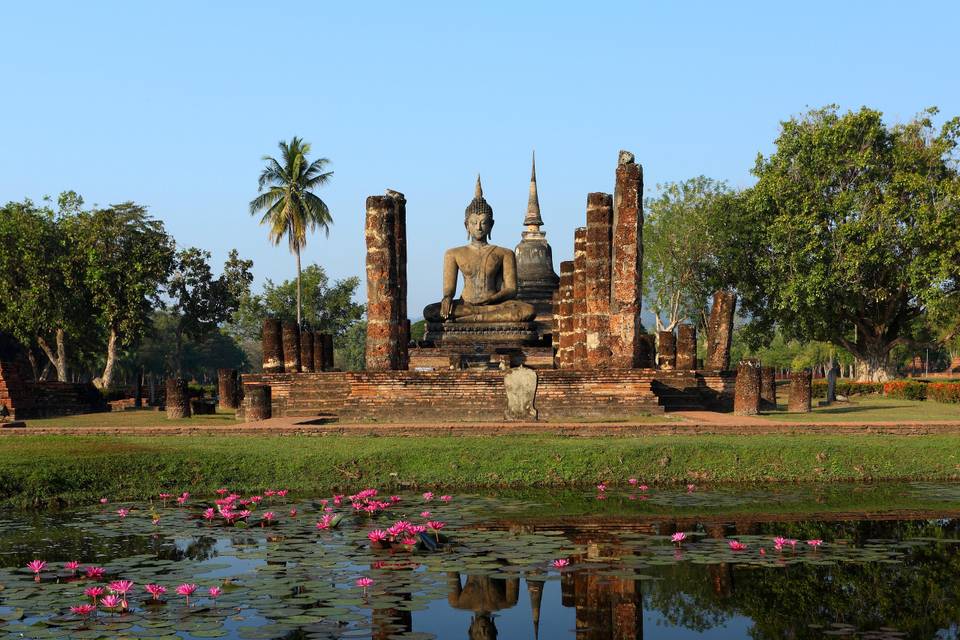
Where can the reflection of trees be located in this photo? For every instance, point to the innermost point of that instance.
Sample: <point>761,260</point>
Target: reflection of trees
<point>917,596</point>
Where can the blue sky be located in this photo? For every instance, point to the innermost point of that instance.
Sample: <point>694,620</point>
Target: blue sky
<point>173,104</point>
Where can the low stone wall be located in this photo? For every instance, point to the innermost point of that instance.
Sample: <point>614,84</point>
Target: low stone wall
<point>438,358</point>
<point>450,396</point>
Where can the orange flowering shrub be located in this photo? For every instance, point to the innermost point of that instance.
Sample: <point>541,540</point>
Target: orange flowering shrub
<point>905,390</point>
<point>944,391</point>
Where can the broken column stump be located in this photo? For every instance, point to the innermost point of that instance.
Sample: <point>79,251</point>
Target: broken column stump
<point>306,351</point>
<point>720,330</point>
<point>382,352</point>
<point>768,388</point>
<point>178,399</point>
<point>626,288</point>
<point>565,351</point>
<point>800,391</point>
<point>291,347</point>
<point>746,399</point>
<point>686,347</point>
<point>227,388</point>
<point>258,403</point>
<point>579,308</point>
<point>666,351</point>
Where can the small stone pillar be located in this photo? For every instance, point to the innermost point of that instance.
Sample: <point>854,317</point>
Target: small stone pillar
<point>328,352</point>
<point>746,399</point>
<point>720,330</point>
<point>382,352</point>
<point>258,403</point>
<point>598,246</point>
<point>768,388</point>
<point>565,317</point>
<point>555,327</point>
<point>579,308</point>
<point>318,352</point>
<point>291,347</point>
<point>272,342</point>
<point>686,347</point>
<point>800,391</point>
<point>178,399</point>
<point>666,350</point>
<point>402,323</point>
<point>306,351</point>
<point>227,388</point>
<point>627,265</point>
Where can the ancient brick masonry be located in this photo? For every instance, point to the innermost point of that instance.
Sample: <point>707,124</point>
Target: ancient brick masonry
<point>319,352</point>
<point>666,350</point>
<point>327,351</point>
<point>579,306</point>
<point>178,399</point>
<point>627,265</point>
<point>686,347</point>
<point>306,351</point>
<point>272,346</point>
<point>746,401</point>
<point>768,388</point>
<point>565,351</point>
<point>800,391</point>
<point>387,324</point>
<point>291,347</point>
<point>598,248</point>
<point>227,388</point>
<point>257,403</point>
<point>720,330</point>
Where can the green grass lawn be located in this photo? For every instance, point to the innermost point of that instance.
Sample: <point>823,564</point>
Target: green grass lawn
<point>869,408</point>
<point>67,469</point>
<point>134,418</point>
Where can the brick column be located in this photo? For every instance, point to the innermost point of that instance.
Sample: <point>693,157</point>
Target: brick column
<point>555,327</point>
<point>400,267</point>
<point>627,265</point>
<point>178,399</point>
<point>291,347</point>
<point>566,319</point>
<point>227,388</point>
<point>800,391</point>
<point>746,399</point>
<point>768,388</point>
<point>258,403</point>
<point>720,330</point>
<point>306,351</point>
<point>648,351</point>
<point>272,343</point>
<point>579,309</point>
<point>686,347</point>
<point>318,352</point>
<point>328,352</point>
<point>382,304</point>
<point>666,350</point>
<point>599,221</point>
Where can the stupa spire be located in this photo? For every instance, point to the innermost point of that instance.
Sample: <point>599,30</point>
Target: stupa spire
<point>533,219</point>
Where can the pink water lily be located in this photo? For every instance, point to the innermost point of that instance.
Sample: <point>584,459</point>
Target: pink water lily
<point>94,593</point>
<point>269,517</point>
<point>83,610</point>
<point>325,521</point>
<point>601,487</point>
<point>123,513</point>
<point>36,566</point>
<point>428,496</point>
<point>155,590</point>
<point>736,545</point>
<point>678,537</point>
<point>111,602</point>
<point>632,481</point>
<point>691,488</point>
<point>560,563</point>
<point>214,592</point>
<point>103,501</point>
<point>121,586</point>
<point>72,566</point>
<point>425,514</point>
<point>364,582</point>
<point>293,512</point>
<point>95,572</point>
<point>816,542</point>
<point>186,590</point>
<point>446,498</point>
<point>209,514</point>
<point>643,487</point>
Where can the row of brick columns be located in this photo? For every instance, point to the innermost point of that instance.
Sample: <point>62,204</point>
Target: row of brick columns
<point>756,389</point>
<point>388,328</point>
<point>287,348</point>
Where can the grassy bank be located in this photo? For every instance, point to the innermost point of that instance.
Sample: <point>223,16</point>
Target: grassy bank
<point>74,469</point>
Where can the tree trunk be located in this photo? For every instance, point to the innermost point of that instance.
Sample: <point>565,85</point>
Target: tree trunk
<point>299,303</point>
<point>874,367</point>
<point>720,330</point>
<point>60,359</point>
<point>106,379</point>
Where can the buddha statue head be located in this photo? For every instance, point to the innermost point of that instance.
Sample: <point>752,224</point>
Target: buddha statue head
<point>478,216</point>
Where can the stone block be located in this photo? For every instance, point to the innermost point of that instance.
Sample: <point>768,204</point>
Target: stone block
<point>520,386</point>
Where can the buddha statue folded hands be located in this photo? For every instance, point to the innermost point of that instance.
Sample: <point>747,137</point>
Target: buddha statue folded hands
<point>489,276</point>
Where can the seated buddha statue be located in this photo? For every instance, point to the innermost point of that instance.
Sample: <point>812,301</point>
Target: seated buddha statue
<point>489,276</point>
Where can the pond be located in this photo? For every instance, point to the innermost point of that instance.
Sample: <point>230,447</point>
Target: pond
<point>795,561</point>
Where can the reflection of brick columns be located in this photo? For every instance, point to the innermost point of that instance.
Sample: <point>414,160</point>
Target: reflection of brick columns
<point>272,343</point>
<point>227,388</point>
<point>800,391</point>
<point>306,351</point>
<point>720,330</point>
<point>599,221</point>
<point>686,347</point>
<point>402,324</point>
<point>579,298</point>
<point>666,350</point>
<point>627,265</point>
<point>291,347</point>
<point>566,319</point>
<point>746,400</point>
<point>382,302</point>
<point>178,399</point>
<point>768,388</point>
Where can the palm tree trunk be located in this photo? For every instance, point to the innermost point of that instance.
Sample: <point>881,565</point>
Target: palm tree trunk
<point>299,303</point>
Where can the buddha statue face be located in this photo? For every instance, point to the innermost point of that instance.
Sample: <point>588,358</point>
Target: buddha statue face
<point>479,226</point>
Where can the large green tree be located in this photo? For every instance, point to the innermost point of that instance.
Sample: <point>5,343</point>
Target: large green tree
<point>123,258</point>
<point>288,202</point>
<point>856,231</point>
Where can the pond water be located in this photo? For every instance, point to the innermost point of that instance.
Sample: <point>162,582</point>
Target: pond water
<point>874,561</point>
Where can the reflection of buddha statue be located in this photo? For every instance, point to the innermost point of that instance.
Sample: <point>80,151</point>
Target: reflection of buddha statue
<point>489,276</point>
<point>483,595</point>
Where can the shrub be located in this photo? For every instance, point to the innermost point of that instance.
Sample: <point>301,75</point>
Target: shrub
<point>846,387</point>
<point>905,390</point>
<point>197,390</point>
<point>944,391</point>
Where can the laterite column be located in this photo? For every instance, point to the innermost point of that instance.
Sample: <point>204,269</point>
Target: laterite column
<point>382,304</point>
<point>768,388</point>
<point>746,400</point>
<point>579,309</point>
<point>178,399</point>
<point>328,352</point>
<point>666,350</point>
<point>272,343</point>
<point>306,351</point>
<point>686,347</point>
<point>291,347</point>
<point>400,270</point>
<point>800,391</point>
<point>565,317</point>
<point>599,221</point>
<point>627,265</point>
<point>258,403</point>
<point>720,330</point>
<point>318,352</point>
<point>227,388</point>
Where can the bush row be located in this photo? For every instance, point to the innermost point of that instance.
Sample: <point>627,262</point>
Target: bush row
<point>846,387</point>
<point>899,389</point>
<point>905,390</point>
<point>944,391</point>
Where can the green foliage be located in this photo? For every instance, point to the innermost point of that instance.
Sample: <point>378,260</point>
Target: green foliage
<point>199,360</point>
<point>856,232</point>
<point>418,329</point>
<point>350,348</point>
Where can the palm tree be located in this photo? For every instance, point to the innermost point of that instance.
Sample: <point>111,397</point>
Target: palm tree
<point>289,203</point>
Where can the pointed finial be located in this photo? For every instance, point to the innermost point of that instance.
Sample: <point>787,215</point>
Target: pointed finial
<point>478,192</point>
<point>533,219</point>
